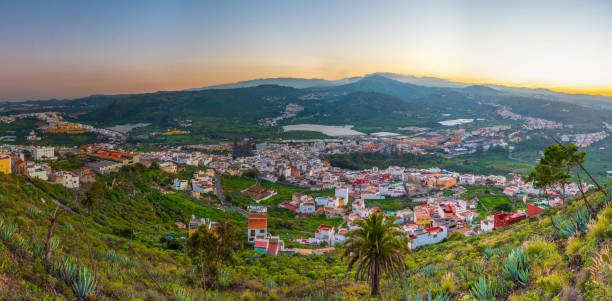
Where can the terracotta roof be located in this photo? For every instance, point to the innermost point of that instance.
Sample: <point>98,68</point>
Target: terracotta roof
<point>261,244</point>
<point>273,248</point>
<point>433,229</point>
<point>324,228</point>
<point>258,221</point>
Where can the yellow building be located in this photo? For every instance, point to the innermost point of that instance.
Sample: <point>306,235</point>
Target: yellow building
<point>5,165</point>
<point>65,128</point>
<point>422,218</point>
<point>441,181</point>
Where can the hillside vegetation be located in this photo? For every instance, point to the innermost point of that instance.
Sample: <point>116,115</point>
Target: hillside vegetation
<point>120,236</point>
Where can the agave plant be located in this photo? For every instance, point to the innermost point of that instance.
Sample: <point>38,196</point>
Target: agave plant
<point>37,250</point>
<point>33,211</point>
<point>108,255</point>
<point>430,270</point>
<point>440,297</point>
<point>270,283</point>
<point>488,252</point>
<point>84,284</point>
<point>67,268</point>
<point>320,296</point>
<point>464,272</point>
<point>181,295</point>
<point>7,231</point>
<point>68,226</point>
<point>501,251</point>
<point>53,244</point>
<point>224,277</point>
<point>575,224</point>
<point>516,266</point>
<point>483,290</point>
<point>128,261</point>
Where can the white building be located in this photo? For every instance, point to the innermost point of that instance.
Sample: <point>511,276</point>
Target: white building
<point>325,233</point>
<point>257,226</point>
<point>340,237</point>
<point>467,179</point>
<point>307,207</point>
<point>322,200</point>
<point>180,184</point>
<point>342,193</point>
<point>43,153</point>
<point>372,196</point>
<point>202,186</point>
<point>67,179</point>
<point>487,225</point>
<point>36,171</point>
<point>427,236</point>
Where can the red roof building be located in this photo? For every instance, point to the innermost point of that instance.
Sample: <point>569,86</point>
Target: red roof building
<point>258,226</point>
<point>533,210</point>
<point>504,219</point>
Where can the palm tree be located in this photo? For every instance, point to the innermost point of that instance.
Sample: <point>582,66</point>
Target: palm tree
<point>376,247</point>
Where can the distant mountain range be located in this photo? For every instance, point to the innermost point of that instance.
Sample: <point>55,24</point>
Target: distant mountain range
<point>298,83</point>
<point>597,101</point>
<point>594,101</point>
<point>376,102</point>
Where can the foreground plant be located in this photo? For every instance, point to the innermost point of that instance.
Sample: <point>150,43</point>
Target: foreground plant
<point>601,268</point>
<point>483,289</point>
<point>376,247</point>
<point>84,284</point>
<point>575,224</point>
<point>440,297</point>
<point>210,250</point>
<point>182,295</point>
<point>516,266</point>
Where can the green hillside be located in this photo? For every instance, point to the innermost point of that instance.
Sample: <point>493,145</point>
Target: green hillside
<point>580,116</point>
<point>244,105</point>
<point>120,237</point>
<point>365,110</point>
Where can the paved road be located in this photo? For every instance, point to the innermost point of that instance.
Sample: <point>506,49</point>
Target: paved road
<point>219,188</point>
<point>221,195</point>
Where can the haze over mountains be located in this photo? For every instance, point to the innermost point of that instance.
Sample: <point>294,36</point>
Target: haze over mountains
<point>594,101</point>
<point>300,83</point>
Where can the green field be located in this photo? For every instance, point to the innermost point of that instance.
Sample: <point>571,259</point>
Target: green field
<point>234,183</point>
<point>473,190</point>
<point>492,201</point>
<point>494,162</point>
<point>390,204</point>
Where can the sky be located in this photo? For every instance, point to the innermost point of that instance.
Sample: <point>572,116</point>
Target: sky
<point>68,49</point>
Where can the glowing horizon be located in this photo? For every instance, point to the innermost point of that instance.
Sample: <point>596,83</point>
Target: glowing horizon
<point>69,49</point>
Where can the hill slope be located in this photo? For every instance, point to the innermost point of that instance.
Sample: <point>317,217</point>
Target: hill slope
<point>123,241</point>
<point>363,109</point>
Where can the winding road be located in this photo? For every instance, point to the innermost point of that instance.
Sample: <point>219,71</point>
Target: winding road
<point>221,195</point>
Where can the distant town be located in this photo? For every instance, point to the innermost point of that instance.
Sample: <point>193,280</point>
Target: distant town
<point>438,208</point>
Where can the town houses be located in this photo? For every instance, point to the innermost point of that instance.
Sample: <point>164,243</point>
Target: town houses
<point>436,211</point>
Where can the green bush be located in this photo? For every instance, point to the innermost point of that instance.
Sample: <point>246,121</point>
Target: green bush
<point>84,283</point>
<point>602,229</point>
<point>516,267</point>
<point>483,289</point>
<point>551,284</point>
<point>181,295</point>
